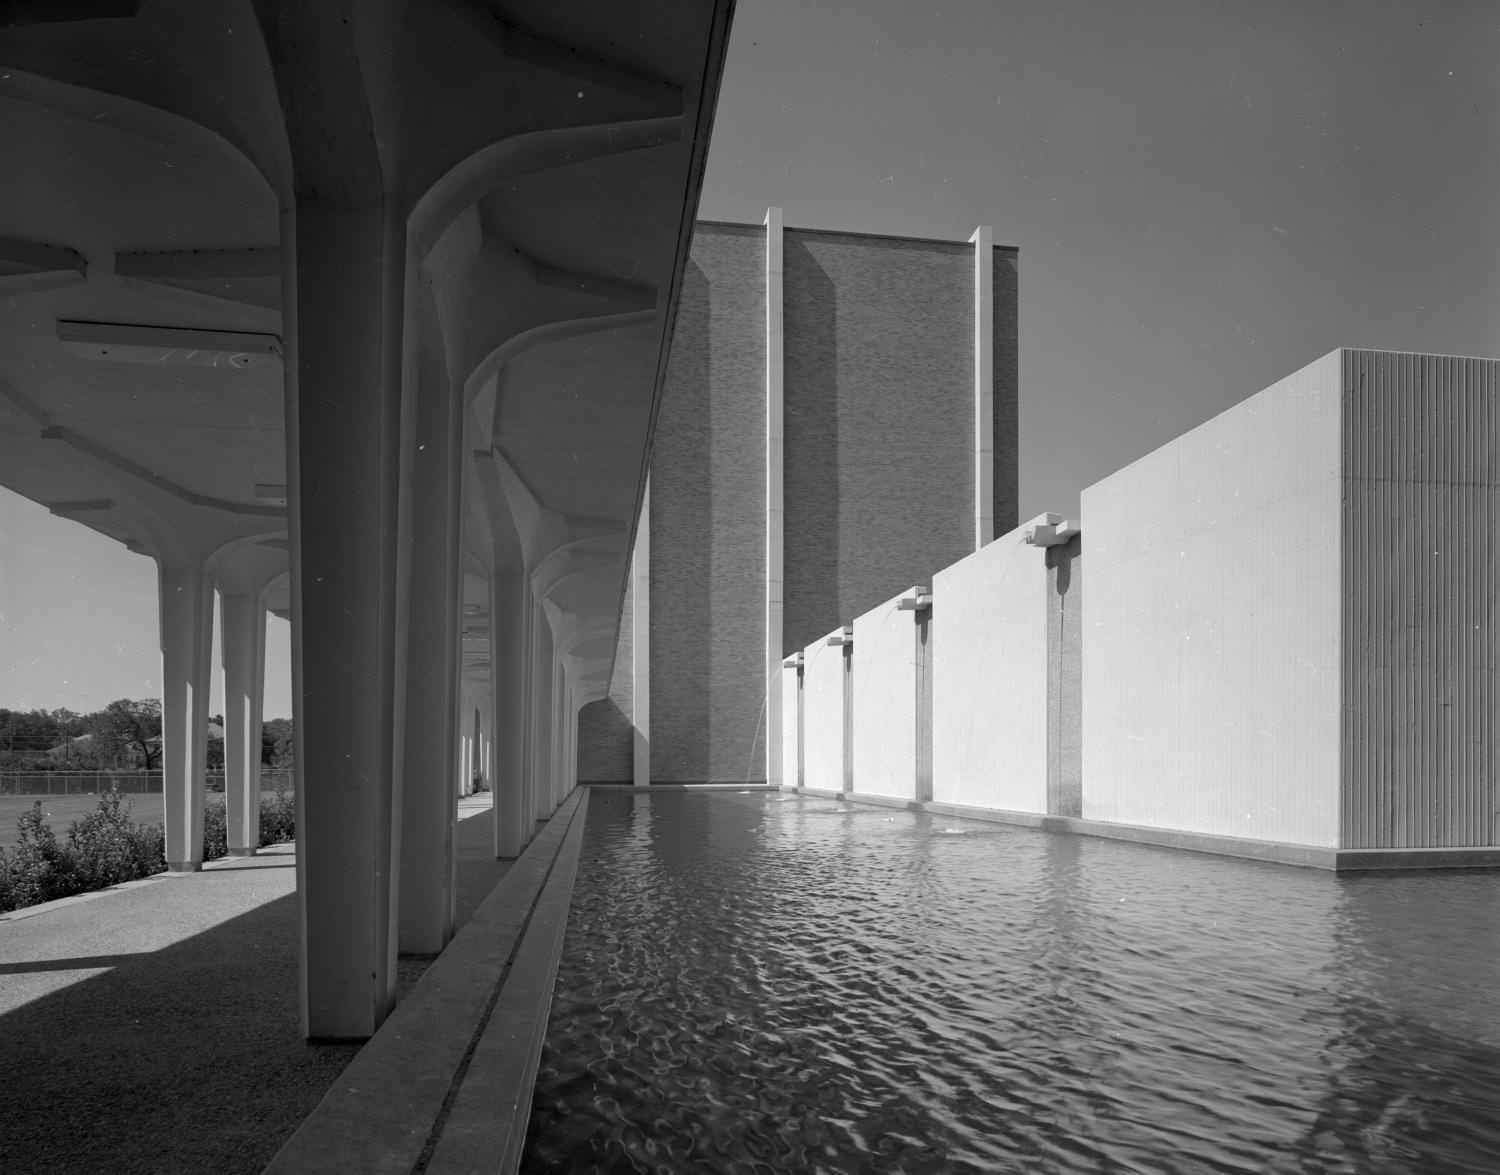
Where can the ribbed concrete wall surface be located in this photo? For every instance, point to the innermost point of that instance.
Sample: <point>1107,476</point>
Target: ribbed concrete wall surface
<point>884,701</point>
<point>823,717</point>
<point>989,678</point>
<point>1211,656</point>
<point>1421,469</point>
<point>879,460</point>
<point>708,521</point>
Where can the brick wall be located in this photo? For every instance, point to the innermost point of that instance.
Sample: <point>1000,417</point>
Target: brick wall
<point>878,472</point>
<point>879,478</point>
<point>707,521</point>
<point>606,735</point>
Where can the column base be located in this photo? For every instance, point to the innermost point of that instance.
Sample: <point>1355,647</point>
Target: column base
<point>241,853</point>
<point>184,866</point>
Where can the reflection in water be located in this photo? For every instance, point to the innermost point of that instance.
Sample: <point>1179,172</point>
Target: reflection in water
<point>760,982</point>
<point>1412,1075</point>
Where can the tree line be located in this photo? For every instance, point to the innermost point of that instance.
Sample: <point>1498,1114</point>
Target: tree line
<point>125,734</point>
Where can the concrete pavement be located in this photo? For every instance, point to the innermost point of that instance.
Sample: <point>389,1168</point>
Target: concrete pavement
<point>154,1027</point>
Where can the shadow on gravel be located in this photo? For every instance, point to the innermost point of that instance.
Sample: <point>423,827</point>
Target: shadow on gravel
<point>186,1059</point>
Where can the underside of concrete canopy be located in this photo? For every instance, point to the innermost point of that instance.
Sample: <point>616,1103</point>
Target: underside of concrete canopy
<point>356,311</point>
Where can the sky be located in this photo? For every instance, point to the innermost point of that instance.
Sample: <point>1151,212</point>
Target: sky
<point>1206,197</point>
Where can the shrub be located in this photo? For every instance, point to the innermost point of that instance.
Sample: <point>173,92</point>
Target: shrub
<point>215,831</point>
<point>104,848</point>
<point>39,868</point>
<point>278,817</point>
<point>108,847</point>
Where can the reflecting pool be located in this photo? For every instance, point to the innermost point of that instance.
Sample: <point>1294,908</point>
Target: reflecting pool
<point>773,983</point>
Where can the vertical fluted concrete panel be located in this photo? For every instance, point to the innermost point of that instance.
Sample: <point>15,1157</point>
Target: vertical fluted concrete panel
<point>879,427</point>
<point>886,694</point>
<point>823,683</point>
<point>1419,608</point>
<point>707,521</point>
<point>989,678</point>
<point>1211,624</point>
<point>791,728</point>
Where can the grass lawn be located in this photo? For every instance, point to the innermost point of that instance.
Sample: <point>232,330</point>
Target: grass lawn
<point>61,811</point>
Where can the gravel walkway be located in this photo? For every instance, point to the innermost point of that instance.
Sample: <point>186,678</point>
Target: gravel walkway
<point>154,1028</point>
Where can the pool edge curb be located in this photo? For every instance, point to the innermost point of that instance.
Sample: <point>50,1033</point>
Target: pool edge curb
<point>387,1112</point>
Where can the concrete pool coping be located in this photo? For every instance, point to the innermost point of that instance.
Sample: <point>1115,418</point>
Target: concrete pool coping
<point>1334,860</point>
<point>445,1085</point>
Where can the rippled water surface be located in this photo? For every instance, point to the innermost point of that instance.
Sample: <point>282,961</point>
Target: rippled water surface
<point>759,982</point>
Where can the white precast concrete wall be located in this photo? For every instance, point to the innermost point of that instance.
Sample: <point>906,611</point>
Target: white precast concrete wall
<point>823,716</point>
<point>989,678</point>
<point>885,702</point>
<point>1212,622</point>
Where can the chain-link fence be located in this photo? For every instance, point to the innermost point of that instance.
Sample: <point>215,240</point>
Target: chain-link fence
<point>86,783</point>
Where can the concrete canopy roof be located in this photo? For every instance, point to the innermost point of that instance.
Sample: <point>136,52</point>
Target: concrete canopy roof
<point>550,154</point>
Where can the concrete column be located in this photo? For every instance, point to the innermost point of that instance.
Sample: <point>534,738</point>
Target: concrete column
<point>640,653</point>
<point>470,749</point>
<point>559,735</point>
<point>343,309</point>
<point>848,734</point>
<point>984,385</point>
<point>801,749</point>
<point>186,645</point>
<point>242,622</point>
<point>565,712</point>
<point>1064,678</point>
<point>573,709</point>
<point>487,727</point>
<point>508,608</point>
<point>541,714</point>
<point>554,768</point>
<point>923,655</point>
<point>528,715</point>
<point>791,723</point>
<point>460,738</point>
<point>774,500</point>
<point>429,806</point>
